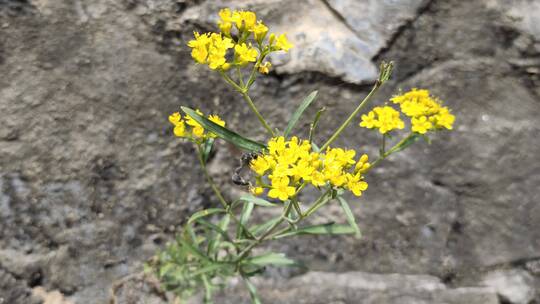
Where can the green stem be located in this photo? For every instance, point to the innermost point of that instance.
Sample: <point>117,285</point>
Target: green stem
<point>231,82</point>
<point>214,187</point>
<point>353,114</point>
<point>240,77</point>
<point>246,251</point>
<point>254,110</point>
<point>389,152</point>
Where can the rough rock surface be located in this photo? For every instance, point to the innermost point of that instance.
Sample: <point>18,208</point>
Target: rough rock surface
<point>92,182</point>
<point>515,286</point>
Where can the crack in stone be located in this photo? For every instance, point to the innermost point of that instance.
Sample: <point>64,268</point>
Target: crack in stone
<point>401,29</point>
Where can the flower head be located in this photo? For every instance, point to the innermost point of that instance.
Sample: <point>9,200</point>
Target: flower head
<point>245,53</point>
<point>290,163</point>
<point>384,118</point>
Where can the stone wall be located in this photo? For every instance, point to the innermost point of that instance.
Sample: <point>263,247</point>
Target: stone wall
<point>92,182</point>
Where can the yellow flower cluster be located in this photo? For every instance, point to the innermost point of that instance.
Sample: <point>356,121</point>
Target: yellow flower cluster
<point>384,118</point>
<point>211,48</point>
<point>426,112</point>
<point>197,131</point>
<point>289,164</point>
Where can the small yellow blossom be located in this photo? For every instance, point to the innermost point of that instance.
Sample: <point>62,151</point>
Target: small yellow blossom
<point>281,189</point>
<point>256,190</point>
<point>249,19</point>
<point>179,125</point>
<point>259,31</point>
<point>210,49</point>
<point>384,118</point>
<point>426,112</point>
<point>443,119</point>
<point>294,161</point>
<point>362,165</point>
<point>180,129</point>
<point>225,24</point>
<point>265,67</point>
<point>421,124</point>
<point>282,43</point>
<point>245,53</point>
<point>260,165</point>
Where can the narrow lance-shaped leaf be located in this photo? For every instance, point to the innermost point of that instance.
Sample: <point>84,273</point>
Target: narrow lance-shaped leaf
<point>264,226</point>
<point>409,141</point>
<point>278,259</point>
<point>244,217</point>
<point>314,124</point>
<point>329,228</point>
<point>207,149</point>
<point>206,212</point>
<point>252,292</point>
<point>224,133</point>
<point>214,242</point>
<point>257,201</point>
<point>296,116</point>
<point>349,214</point>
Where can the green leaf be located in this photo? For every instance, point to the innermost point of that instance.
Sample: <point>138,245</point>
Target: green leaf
<point>409,141</point>
<point>244,218</point>
<point>252,292</point>
<point>349,214</point>
<point>214,242</point>
<point>278,259</point>
<point>194,251</point>
<point>210,268</point>
<point>315,122</point>
<point>208,290</point>
<point>224,133</point>
<point>296,116</point>
<point>264,226</point>
<point>206,212</point>
<point>257,201</point>
<point>207,149</point>
<point>214,228</point>
<point>329,228</point>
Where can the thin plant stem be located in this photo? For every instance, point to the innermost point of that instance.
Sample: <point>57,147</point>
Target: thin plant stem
<point>259,116</point>
<point>214,187</point>
<point>263,237</point>
<point>390,151</point>
<point>353,114</point>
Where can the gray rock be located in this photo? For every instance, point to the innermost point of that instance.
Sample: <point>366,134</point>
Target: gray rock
<point>323,42</point>
<point>359,287</point>
<point>515,286</point>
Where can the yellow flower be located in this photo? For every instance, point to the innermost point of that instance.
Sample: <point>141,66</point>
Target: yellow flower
<point>355,184</point>
<point>281,189</point>
<point>282,43</point>
<point>225,24</point>
<point>260,165</point>
<point>444,119</point>
<point>180,129</point>
<point>369,121</point>
<point>265,68</point>
<point>249,19</point>
<point>256,190</point>
<point>362,165</point>
<point>318,179</point>
<point>179,125</point>
<point>421,124</point>
<point>210,49</point>
<point>384,118</point>
<point>199,47</point>
<point>245,53</point>
<point>276,145</point>
<point>175,118</point>
<point>259,31</point>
